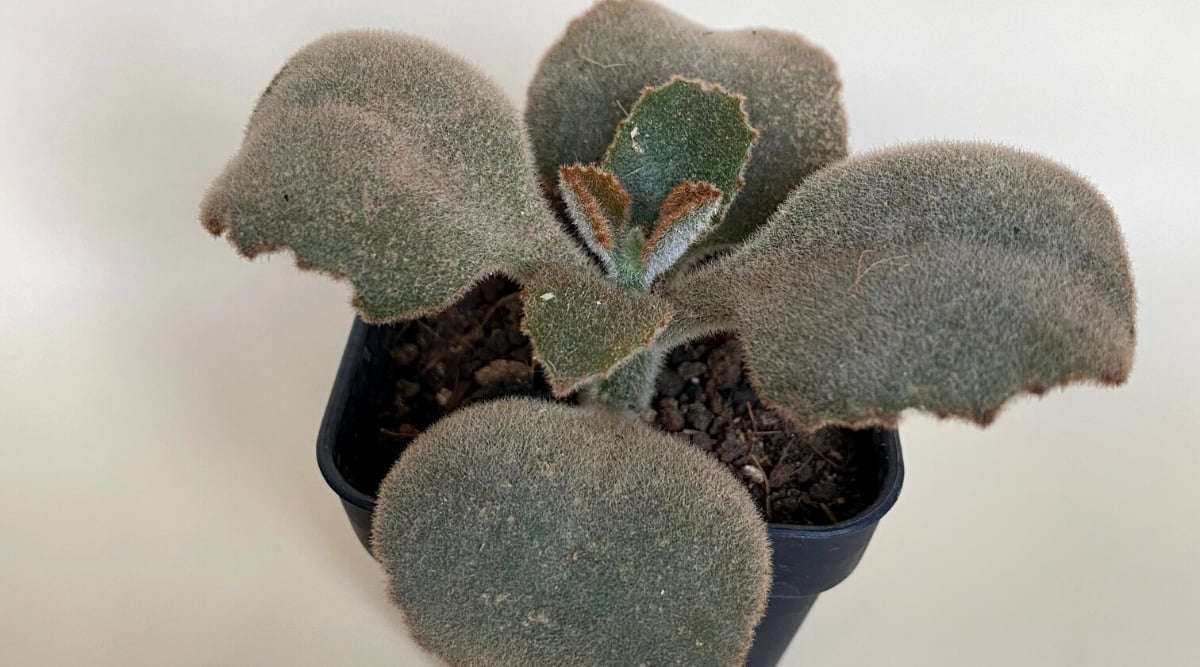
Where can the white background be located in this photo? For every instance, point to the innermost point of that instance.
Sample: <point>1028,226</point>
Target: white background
<point>159,397</point>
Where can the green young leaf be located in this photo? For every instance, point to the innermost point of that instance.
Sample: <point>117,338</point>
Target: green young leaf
<point>590,79</point>
<point>673,168</point>
<point>528,533</point>
<point>683,131</point>
<point>946,277</point>
<point>583,326</point>
<point>384,160</point>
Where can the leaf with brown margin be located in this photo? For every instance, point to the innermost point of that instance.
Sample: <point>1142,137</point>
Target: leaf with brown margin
<point>688,213</point>
<point>597,205</point>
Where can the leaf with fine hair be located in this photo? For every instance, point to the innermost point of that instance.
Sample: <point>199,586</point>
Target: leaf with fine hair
<point>598,206</point>
<point>384,160</point>
<point>582,326</point>
<point>680,132</point>
<point>947,277</point>
<point>530,533</point>
<point>589,80</point>
<point>688,213</point>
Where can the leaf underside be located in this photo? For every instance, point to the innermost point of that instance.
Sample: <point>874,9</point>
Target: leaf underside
<point>945,277</point>
<point>598,206</point>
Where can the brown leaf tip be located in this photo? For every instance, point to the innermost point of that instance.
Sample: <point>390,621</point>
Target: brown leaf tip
<point>604,201</point>
<point>683,199</point>
<point>212,213</point>
<point>214,224</point>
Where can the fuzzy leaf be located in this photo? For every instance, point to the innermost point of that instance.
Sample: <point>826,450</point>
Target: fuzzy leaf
<point>590,79</point>
<point>529,533</point>
<point>687,215</point>
<point>598,205</point>
<point>384,160</point>
<point>946,277</point>
<point>582,326</point>
<point>679,132</point>
<point>628,270</point>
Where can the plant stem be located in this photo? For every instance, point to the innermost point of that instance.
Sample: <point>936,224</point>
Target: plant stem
<point>631,386</point>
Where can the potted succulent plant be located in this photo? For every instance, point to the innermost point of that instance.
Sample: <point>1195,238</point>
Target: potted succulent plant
<point>681,231</point>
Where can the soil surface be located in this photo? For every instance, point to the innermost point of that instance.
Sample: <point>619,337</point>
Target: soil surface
<point>475,351</point>
<point>471,352</point>
<point>795,477</point>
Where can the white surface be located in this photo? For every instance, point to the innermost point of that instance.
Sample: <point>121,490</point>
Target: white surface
<point>159,397</point>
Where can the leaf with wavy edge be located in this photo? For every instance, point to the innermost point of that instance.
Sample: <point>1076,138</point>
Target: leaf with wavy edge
<point>688,213</point>
<point>946,277</point>
<point>591,77</point>
<point>385,160</point>
<point>598,206</point>
<point>679,132</point>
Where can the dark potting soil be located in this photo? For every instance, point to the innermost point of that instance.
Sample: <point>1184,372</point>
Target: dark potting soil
<point>807,478</point>
<point>471,352</point>
<point>475,351</point>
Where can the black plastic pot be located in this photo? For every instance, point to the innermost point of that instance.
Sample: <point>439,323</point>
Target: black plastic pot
<point>807,560</point>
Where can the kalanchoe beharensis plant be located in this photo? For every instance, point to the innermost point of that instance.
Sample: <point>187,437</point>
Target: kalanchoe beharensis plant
<point>946,277</point>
